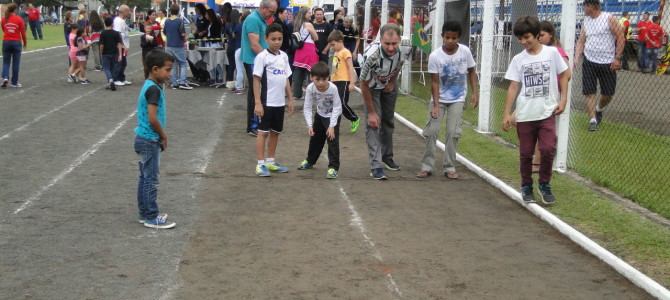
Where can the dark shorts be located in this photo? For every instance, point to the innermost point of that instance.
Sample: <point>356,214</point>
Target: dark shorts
<point>593,74</point>
<point>272,120</point>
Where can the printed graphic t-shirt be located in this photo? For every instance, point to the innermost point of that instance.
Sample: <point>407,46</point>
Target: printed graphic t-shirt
<point>274,70</point>
<point>453,72</point>
<point>340,67</point>
<point>536,74</point>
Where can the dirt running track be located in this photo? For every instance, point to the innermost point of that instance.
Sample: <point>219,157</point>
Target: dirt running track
<point>68,226</point>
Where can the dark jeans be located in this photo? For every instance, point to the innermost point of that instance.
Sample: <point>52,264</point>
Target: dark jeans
<point>121,70</point>
<point>530,133</point>
<point>299,75</point>
<point>147,185</point>
<point>230,68</point>
<point>110,65</point>
<point>252,120</point>
<point>11,55</point>
<point>36,29</point>
<point>343,91</point>
<point>317,142</point>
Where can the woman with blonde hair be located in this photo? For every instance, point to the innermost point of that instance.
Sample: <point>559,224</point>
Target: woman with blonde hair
<point>305,57</point>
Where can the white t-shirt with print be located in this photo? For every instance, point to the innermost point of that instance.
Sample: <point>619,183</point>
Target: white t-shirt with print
<point>274,70</point>
<point>537,75</point>
<point>453,72</point>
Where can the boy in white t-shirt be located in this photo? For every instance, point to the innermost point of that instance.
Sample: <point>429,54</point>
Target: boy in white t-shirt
<point>271,86</point>
<point>533,73</point>
<point>449,66</point>
<point>325,124</point>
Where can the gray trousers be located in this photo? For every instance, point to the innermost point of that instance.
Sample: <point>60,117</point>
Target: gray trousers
<point>380,140</point>
<point>454,112</point>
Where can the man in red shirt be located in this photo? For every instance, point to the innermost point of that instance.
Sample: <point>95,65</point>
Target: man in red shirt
<point>641,48</point>
<point>35,22</point>
<point>653,38</point>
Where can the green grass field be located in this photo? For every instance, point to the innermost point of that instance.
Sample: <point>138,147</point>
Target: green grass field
<point>620,157</point>
<point>644,244</point>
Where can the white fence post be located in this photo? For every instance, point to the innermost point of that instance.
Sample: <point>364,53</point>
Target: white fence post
<point>568,31</point>
<point>406,79</point>
<point>486,74</point>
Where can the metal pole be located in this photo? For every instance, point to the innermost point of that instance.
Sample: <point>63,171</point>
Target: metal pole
<point>486,76</point>
<point>405,80</point>
<point>568,31</point>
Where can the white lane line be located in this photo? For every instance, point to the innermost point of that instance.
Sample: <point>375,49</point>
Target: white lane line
<point>207,151</point>
<point>76,163</point>
<point>357,222</point>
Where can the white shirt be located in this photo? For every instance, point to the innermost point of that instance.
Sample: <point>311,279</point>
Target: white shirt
<point>537,74</point>
<point>328,104</point>
<point>453,72</point>
<point>120,26</point>
<point>600,46</point>
<point>274,70</point>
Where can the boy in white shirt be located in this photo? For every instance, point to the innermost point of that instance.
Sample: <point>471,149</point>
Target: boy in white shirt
<point>325,124</point>
<point>449,66</point>
<point>271,86</point>
<point>534,72</point>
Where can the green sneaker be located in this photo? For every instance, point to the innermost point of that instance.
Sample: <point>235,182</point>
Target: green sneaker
<point>304,165</point>
<point>276,167</point>
<point>355,124</point>
<point>332,173</point>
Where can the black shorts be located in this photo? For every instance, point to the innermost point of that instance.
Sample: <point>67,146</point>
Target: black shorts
<point>272,120</point>
<point>593,74</point>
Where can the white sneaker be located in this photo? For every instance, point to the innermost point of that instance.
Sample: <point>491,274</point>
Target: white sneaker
<point>119,83</point>
<point>127,82</point>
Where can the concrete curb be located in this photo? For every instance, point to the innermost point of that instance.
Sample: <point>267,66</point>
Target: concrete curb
<point>632,274</point>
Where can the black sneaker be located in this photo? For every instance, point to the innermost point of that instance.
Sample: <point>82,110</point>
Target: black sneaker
<point>593,126</point>
<point>391,165</point>
<point>599,117</point>
<point>378,174</point>
<point>527,193</point>
<point>546,195</point>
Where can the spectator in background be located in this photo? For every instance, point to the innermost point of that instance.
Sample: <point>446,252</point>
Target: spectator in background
<point>13,33</point>
<point>601,41</point>
<point>641,43</point>
<point>305,58</point>
<point>97,27</point>
<point>653,42</point>
<point>323,30</point>
<point>624,22</point>
<point>35,22</point>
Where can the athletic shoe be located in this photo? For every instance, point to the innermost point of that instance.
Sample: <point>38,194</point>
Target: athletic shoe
<point>119,83</point>
<point>17,85</point>
<point>262,171</point>
<point>354,125</point>
<point>593,126</point>
<point>304,165</point>
<point>546,195</point>
<point>185,86</point>
<point>378,174</point>
<point>160,222</point>
<point>599,117</point>
<point>4,83</point>
<point>253,132</point>
<point>527,193</point>
<point>85,81</point>
<point>276,167</point>
<point>127,82</point>
<point>391,165</point>
<point>331,174</point>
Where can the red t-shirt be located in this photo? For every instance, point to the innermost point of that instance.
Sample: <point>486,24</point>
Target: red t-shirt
<point>654,36</point>
<point>33,14</point>
<point>14,29</point>
<point>641,28</point>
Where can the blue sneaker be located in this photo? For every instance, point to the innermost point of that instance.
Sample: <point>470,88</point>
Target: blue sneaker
<point>546,195</point>
<point>276,167</point>
<point>304,165</point>
<point>159,222</point>
<point>527,193</point>
<point>262,171</point>
<point>378,174</point>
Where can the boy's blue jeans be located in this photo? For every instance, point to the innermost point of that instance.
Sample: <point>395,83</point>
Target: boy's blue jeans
<point>149,153</point>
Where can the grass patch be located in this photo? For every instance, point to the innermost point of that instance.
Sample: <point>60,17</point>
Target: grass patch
<point>644,244</point>
<point>53,36</point>
<point>620,157</point>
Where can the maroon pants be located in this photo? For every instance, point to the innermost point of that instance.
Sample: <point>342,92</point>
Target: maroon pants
<point>544,133</point>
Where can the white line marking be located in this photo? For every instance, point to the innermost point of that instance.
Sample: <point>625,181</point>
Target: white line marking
<point>76,163</point>
<point>357,221</point>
